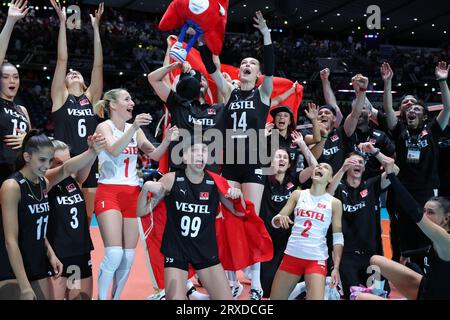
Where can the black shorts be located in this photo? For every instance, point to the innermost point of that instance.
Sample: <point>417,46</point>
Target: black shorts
<point>184,264</point>
<point>243,173</point>
<point>91,181</point>
<point>78,266</point>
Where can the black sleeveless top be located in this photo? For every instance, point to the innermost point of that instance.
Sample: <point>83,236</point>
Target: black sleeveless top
<point>11,118</point>
<point>68,228</point>
<point>246,116</point>
<point>436,281</point>
<point>74,122</point>
<point>190,232</point>
<point>33,215</point>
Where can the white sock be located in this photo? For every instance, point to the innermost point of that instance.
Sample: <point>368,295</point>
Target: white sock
<point>110,263</point>
<point>256,276</point>
<point>299,288</point>
<point>122,273</point>
<point>232,277</point>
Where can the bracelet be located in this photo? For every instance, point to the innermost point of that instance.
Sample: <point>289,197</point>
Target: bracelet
<point>362,89</point>
<point>442,80</point>
<point>324,138</point>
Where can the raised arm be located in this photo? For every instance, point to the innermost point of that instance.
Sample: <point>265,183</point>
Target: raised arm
<point>95,90</point>
<point>170,42</point>
<point>441,76</point>
<point>157,80</point>
<point>328,94</point>
<point>223,86</point>
<point>269,58</point>
<point>72,166</point>
<point>282,219</point>
<point>360,84</point>
<point>387,74</point>
<point>59,92</point>
<point>384,160</point>
<point>9,198</point>
<point>17,10</point>
<point>348,163</point>
<point>312,113</point>
<point>305,174</point>
<point>278,99</point>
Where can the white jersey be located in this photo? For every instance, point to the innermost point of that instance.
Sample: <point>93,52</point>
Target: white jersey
<point>122,169</point>
<point>312,219</point>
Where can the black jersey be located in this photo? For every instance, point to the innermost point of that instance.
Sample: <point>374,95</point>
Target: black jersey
<point>274,198</point>
<point>188,115</point>
<point>246,120</point>
<point>436,278</point>
<point>335,149</point>
<point>11,119</point>
<point>68,228</point>
<point>380,140</point>
<point>74,122</point>
<point>190,232</point>
<point>417,155</point>
<point>360,215</point>
<point>444,160</point>
<point>33,214</point>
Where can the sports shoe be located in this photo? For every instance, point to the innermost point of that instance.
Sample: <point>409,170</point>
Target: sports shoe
<point>255,294</point>
<point>178,53</point>
<point>159,295</point>
<point>236,289</point>
<point>190,291</point>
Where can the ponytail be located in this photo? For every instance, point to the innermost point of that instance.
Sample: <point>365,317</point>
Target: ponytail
<point>33,141</point>
<point>102,107</point>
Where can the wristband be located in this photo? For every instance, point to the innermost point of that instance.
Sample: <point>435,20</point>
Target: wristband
<point>442,80</point>
<point>362,89</point>
<point>376,152</point>
<point>324,138</point>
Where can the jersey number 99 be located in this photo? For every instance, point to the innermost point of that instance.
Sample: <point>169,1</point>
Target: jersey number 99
<point>190,228</point>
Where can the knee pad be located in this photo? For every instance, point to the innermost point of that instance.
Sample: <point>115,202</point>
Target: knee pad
<point>112,259</point>
<point>127,259</point>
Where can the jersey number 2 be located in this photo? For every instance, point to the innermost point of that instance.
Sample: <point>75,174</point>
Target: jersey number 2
<point>307,225</point>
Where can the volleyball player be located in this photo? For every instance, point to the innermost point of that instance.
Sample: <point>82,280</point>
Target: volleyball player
<point>25,215</point>
<point>306,252</point>
<point>68,230</point>
<point>192,200</point>
<point>247,108</point>
<point>14,119</point>
<point>434,221</point>
<point>72,100</point>
<point>118,190</point>
<point>277,190</point>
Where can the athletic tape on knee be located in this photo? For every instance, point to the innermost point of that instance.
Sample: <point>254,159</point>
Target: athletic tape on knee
<point>338,238</point>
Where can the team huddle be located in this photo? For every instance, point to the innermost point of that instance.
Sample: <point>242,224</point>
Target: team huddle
<point>303,222</point>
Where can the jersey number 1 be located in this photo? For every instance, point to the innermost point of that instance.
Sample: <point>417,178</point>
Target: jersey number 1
<point>127,165</point>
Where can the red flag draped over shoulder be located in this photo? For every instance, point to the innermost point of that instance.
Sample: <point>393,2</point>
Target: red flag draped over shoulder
<point>241,241</point>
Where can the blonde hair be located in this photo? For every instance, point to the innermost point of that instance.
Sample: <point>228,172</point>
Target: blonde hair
<point>59,145</point>
<point>102,107</point>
